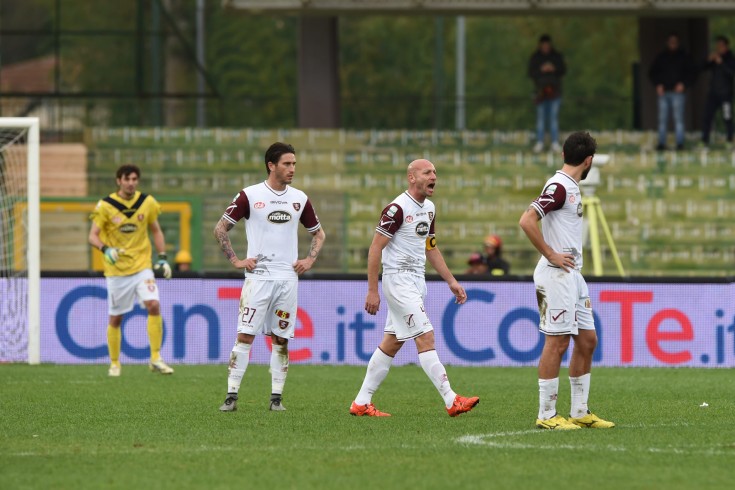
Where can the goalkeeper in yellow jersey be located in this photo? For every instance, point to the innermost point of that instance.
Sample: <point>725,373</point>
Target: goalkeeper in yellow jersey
<point>120,225</point>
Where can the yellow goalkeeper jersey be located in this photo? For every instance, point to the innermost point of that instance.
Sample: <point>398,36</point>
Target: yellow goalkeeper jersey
<point>124,225</point>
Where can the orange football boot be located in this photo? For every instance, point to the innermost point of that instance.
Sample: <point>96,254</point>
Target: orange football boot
<point>368,410</point>
<point>462,404</point>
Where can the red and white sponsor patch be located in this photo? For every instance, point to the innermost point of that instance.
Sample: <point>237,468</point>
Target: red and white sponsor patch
<point>259,205</point>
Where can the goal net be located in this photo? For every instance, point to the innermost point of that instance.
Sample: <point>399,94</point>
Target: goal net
<point>19,240</point>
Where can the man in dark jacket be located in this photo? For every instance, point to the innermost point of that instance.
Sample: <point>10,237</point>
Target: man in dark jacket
<point>671,73</point>
<point>546,68</point>
<point>722,65</point>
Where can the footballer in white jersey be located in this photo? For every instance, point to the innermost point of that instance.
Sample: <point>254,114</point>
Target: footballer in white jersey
<point>272,211</point>
<point>565,309</point>
<point>403,241</point>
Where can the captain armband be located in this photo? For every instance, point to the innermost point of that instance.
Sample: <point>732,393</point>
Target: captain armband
<point>431,243</point>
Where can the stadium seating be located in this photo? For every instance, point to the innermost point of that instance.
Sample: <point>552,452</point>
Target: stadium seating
<point>670,213</point>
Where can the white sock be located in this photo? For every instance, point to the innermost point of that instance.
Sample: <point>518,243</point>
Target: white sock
<point>434,369</point>
<point>548,390</point>
<point>580,394</point>
<point>239,359</point>
<point>279,368</point>
<point>377,370</point>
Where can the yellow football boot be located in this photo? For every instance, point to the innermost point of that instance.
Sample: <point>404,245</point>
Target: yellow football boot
<point>557,422</point>
<point>592,421</point>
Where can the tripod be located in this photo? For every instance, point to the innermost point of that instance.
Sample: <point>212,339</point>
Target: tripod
<point>593,213</point>
<point>595,218</point>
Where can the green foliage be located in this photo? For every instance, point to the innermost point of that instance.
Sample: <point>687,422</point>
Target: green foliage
<point>73,427</point>
<point>254,62</point>
<point>386,71</point>
<point>395,71</point>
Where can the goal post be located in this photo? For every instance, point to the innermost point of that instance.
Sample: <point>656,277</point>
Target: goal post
<point>20,182</point>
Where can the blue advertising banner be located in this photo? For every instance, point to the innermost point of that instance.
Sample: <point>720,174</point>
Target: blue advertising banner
<point>637,324</point>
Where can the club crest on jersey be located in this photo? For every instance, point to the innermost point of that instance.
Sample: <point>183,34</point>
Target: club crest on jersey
<point>409,219</point>
<point>431,215</point>
<point>283,324</point>
<point>141,217</point>
<point>422,228</point>
<point>550,190</point>
<point>392,211</point>
<point>279,217</point>
<point>297,206</point>
<point>283,314</point>
<point>259,205</point>
<point>117,220</point>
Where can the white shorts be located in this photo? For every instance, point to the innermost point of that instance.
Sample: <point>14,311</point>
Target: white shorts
<point>563,301</point>
<point>123,290</point>
<point>268,307</point>
<point>405,294</point>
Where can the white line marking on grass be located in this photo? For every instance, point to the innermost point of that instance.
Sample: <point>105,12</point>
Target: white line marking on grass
<point>500,440</point>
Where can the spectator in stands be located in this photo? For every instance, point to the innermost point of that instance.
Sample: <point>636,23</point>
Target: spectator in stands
<point>183,260</point>
<point>493,257</point>
<point>671,73</point>
<point>722,65</point>
<point>477,265</point>
<point>546,68</point>
<point>490,262</point>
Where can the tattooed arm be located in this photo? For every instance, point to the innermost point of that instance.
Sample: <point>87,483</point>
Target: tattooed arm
<point>221,233</point>
<point>317,241</point>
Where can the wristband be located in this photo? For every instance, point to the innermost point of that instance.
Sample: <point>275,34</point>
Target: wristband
<point>103,248</point>
<point>163,256</point>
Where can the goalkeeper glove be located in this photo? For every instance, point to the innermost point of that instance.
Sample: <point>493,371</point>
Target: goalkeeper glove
<point>111,254</point>
<point>162,266</point>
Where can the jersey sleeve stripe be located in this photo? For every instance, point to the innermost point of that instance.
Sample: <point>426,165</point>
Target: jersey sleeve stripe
<point>383,232</point>
<point>538,209</point>
<point>314,228</point>
<point>224,216</point>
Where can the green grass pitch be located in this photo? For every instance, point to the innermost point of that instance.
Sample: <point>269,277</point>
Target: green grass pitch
<point>71,427</point>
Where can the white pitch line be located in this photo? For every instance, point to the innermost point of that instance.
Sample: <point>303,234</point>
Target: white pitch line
<point>492,440</point>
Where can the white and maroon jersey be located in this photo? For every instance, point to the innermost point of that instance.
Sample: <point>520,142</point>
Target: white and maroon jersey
<point>271,227</point>
<point>408,223</point>
<point>560,208</point>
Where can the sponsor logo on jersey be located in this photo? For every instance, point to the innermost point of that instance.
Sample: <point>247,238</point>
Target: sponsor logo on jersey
<point>409,219</point>
<point>259,205</point>
<point>279,217</point>
<point>431,215</point>
<point>279,202</point>
<point>129,228</point>
<point>283,314</point>
<point>297,206</point>
<point>386,221</point>
<point>141,217</point>
<point>392,211</point>
<point>117,220</point>
<point>580,210</point>
<point>572,198</point>
<point>422,228</point>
